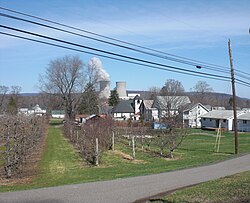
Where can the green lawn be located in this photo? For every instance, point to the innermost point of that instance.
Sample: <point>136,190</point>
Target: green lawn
<point>230,189</point>
<point>61,164</point>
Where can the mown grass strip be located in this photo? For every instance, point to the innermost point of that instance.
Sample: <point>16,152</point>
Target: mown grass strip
<point>61,164</point>
<point>230,189</point>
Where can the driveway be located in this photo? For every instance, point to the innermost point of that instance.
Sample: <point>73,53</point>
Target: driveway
<point>129,189</point>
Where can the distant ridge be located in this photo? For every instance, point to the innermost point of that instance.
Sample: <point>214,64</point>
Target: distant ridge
<point>29,94</point>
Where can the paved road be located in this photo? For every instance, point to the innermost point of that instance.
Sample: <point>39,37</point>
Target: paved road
<point>128,189</point>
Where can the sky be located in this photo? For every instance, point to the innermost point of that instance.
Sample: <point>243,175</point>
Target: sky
<point>194,29</point>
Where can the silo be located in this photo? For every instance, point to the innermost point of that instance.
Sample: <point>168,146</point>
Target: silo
<point>104,91</point>
<point>121,90</point>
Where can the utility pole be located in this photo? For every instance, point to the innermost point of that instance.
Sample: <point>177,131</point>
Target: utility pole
<point>236,143</point>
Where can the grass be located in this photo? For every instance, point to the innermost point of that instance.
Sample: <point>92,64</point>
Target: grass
<point>230,189</point>
<point>61,164</point>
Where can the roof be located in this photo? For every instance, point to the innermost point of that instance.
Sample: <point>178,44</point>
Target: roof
<point>161,102</point>
<point>148,104</point>
<point>58,112</point>
<point>245,116</point>
<point>198,104</point>
<point>124,106</point>
<point>137,97</point>
<point>219,114</point>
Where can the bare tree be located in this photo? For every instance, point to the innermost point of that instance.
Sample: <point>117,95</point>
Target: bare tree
<point>170,137</point>
<point>154,92</point>
<point>171,99</point>
<point>172,88</point>
<point>3,92</point>
<point>202,88</point>
<point>65,77</point>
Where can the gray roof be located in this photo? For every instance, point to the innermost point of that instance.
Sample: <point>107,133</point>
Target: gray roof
<point>124,106</point>
<point>245,116</point>
<point>161,102</point>
<point>198,104</point>
<point>219,114</point>
<point>148,104</point>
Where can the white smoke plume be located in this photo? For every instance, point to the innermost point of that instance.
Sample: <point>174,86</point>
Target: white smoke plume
<point>96,66</point>
<point>101,76</point>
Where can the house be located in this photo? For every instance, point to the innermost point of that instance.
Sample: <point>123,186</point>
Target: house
<point>127,109</point>
<point>147,111</point>
<point>58,114</point>
<point>36,110</point>
<point>192,116</point>
<point>217,118</point>
<point>244,122</point>
<point>170,105</point>
<point>123,110</point>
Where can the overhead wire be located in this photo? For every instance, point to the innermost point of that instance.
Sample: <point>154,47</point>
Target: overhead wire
<point>122,46</point>
<point>123,60</point>
<point>111,53</point>
<point>205,64</point>
<point>117,45</point>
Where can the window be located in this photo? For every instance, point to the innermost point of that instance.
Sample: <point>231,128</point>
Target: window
<point>204,119</point>
<point>210,119</point>
<point>224,121</point>
<point>244,121</point>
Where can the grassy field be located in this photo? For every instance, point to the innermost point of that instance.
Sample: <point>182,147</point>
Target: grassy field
<point>231,189</point>
<point>61,164</point>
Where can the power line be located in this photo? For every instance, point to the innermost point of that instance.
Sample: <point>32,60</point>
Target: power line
<point>118,45</point>
<point>123,60</point>
<point>111,53</point>
<point>209,66</point>
<point>113,58</point>
<point>117,40</point>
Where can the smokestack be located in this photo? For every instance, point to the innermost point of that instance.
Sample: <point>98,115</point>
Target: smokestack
<point>121,90</point>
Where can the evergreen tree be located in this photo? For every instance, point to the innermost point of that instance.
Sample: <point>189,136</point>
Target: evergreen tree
<point>114,98</point>
<point>89,104</point>
<point>12,106</point>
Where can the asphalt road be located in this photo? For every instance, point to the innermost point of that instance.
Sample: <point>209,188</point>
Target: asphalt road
<point>128,189</point>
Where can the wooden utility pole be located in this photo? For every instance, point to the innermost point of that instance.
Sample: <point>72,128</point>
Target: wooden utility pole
<point>236,143</point>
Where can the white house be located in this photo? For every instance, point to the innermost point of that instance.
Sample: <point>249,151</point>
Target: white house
<point>126,109</point>
<point>148,112</point>
<point>36,110</point>
<point>192,116</point>
<point>244,122</point>
<point>58,114</point>
<point>123,110</point>
<point>214,119</point>
<point>170,104</point>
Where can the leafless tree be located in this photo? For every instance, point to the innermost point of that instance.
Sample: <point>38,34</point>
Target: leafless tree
<point>91,139</point>
<point>201,89</point>
<point>154,92</point>
<point>3,92</point>
<point>172,88</point>
<point>65,77</point>
<point>170,137</point>
<point>172,98</point>
<point>20,136</point>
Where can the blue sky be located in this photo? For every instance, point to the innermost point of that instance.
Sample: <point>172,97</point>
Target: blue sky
<point>195,29</point>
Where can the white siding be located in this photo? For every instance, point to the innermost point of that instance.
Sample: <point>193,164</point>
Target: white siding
<point>244,125</point>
